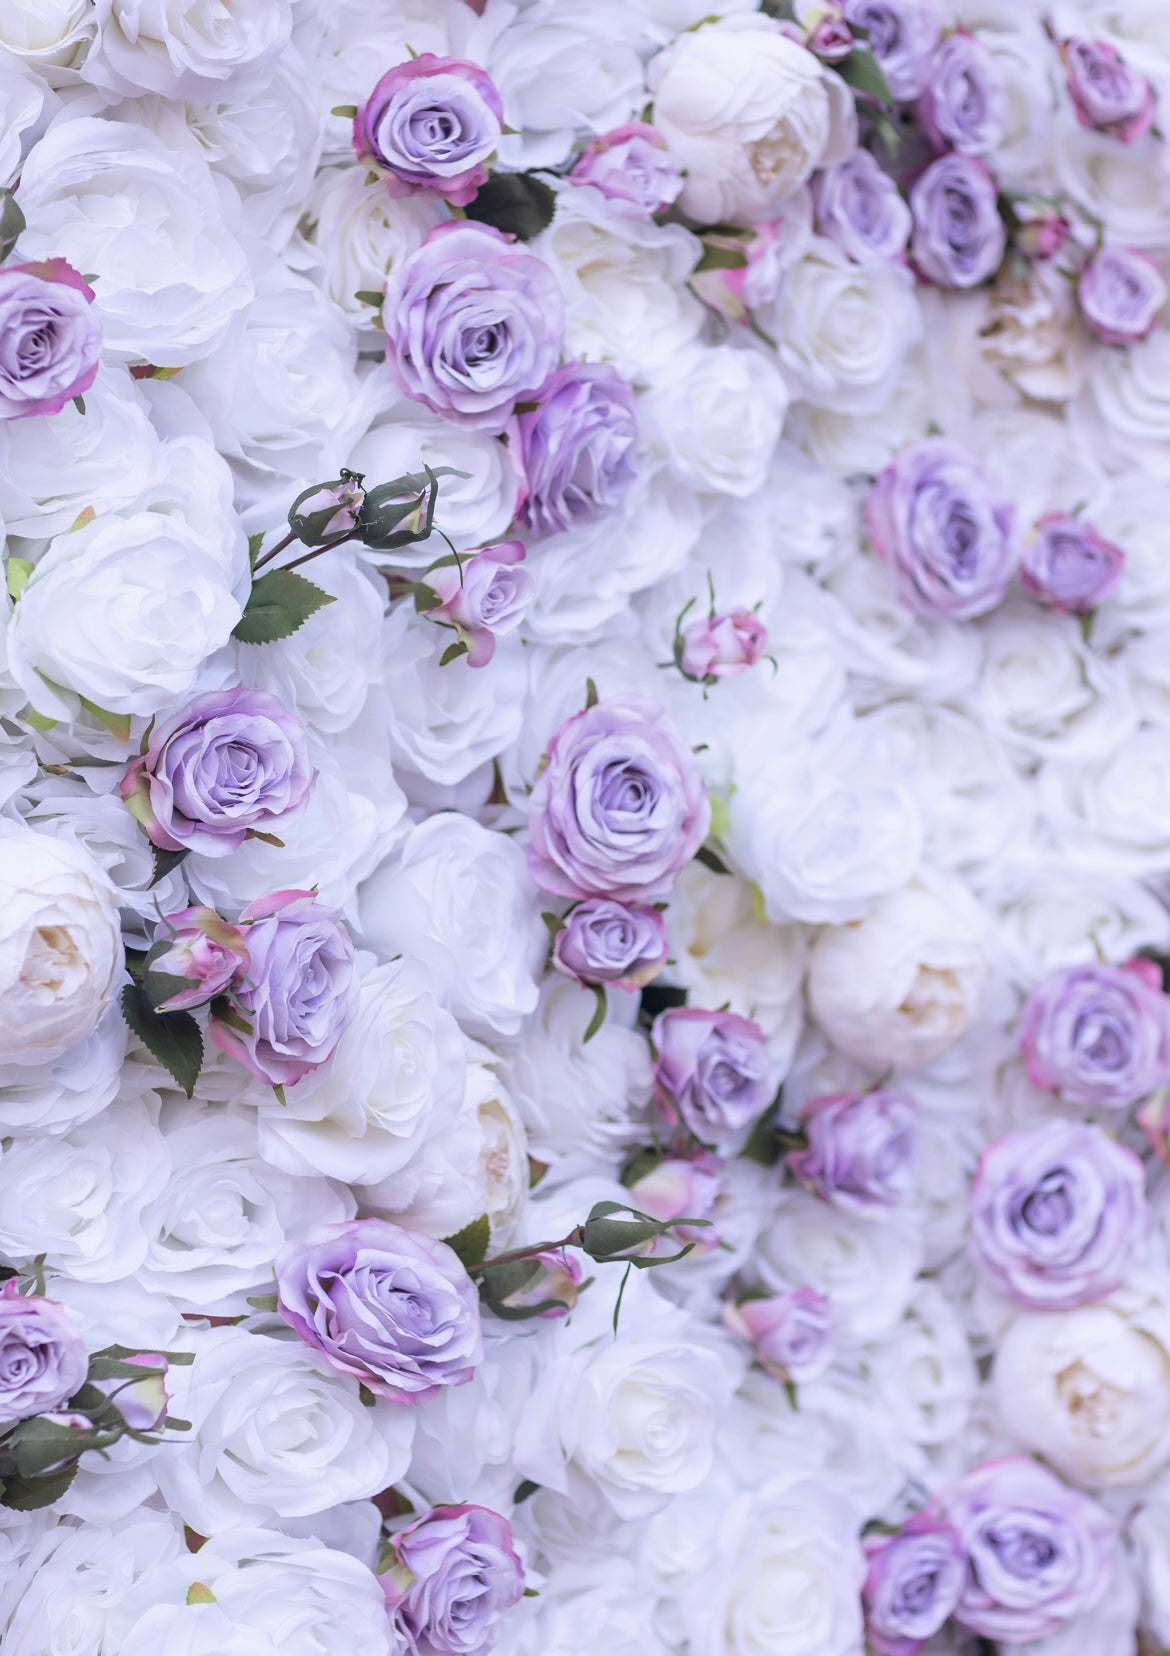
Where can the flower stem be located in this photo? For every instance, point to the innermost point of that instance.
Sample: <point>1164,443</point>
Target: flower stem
<point>573,1240</point>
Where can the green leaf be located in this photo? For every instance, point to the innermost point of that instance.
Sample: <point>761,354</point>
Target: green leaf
<point>367,1396</point>
<point>720,258</point>
<point>591,697</point>
<point>164,863</point>
<point>280,603</point>
<point>79,405</point>
<point>519,204</point>
<point>554,923</point>
<point>425,598</point>
<point>346,111</point>
<point>862,71</point>
<point>453,652</point>
<point>30,1494</point>
<point>370,296</point>
<point>171,1037</point>
<point>17,576</point>
<point>711,860</point>
<point>617,1307</point>
<point>524,1490</point>
<point>160,987</point>
<point>39,721</point>
<point>599,1011</point>
<point>262,1302</point>
<point>200,1593</point>
<point>118,724</point>
<point>471,1243</point>
<point>255,542</point>
<point>11,222</point>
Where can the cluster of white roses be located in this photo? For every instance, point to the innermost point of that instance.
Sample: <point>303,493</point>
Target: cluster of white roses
<point>585,686</point>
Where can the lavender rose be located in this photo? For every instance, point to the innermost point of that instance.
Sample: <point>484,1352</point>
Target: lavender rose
<point>858,207</point>
<point>232,765</point>
<point>431,124</point>
<point>296,998</point>
<point>473,325</point>
<point>1057,1214</point>
<point>604,941</point>
<point>934,521</point>
<point>959,238</point>
<point>482,597</point>
<point>43,1359</point>
<point>1069,565</point>
<point>963,105</point>
<point>902,36</point>
<point>792,1333</point>
<point>1098,1035</point>
<point>1039,1553</point>
<point>50,338</point>
<point>394,1309</point>
<point>196,955</point>
<point>620,806</point>
<point>576,448</point>
<point>860,1152</point>
<point>1108,96</point>
<point>913,1584</point>
<point>631,163</point>
<point>712,1071</point>
<point>722,646</point>
<point>1120,293</point>
<point>453,1575</point>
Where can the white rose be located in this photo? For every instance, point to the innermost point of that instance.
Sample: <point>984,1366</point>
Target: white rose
<point>22,96</point>
<point>1149,1529</point>
<point>903,985</point>
<point>353,234</point>
<point>174,47</point>
<point>924,1373</point>
<point>41,1098</point>
<point>148,222</point>
<point>1125,409</point>
<point>1050,918</point>
<point>718,412</point>
<point>1124,188</point>
<point>1033,90</point>
<point>1114,810</point>
<point>749,114</point>
<point>584,1612</point>
<point>51,36</point>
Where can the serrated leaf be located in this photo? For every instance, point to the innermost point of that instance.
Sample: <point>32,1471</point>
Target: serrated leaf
<point>171,1037</point>
<point>280,603</point>
<point>30,1494</point>
<point>255,542</point>
<point>165,862</point>
<point>16,576</point>
<point>471,1243</point>
<point>862,71</point>
<point>160,987</point>
<point>519,204</point>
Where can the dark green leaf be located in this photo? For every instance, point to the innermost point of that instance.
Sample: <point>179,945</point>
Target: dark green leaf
<point>553,923</point>
<point>280,603</point>
<point>30,1494</point>
<point>519,204</point>
<point>710,859</point>
<point>471,1243</point>
<point>599,1011</point>
<point>425,598</point>
<point>263,1302</point>
<point>39,1444</point>
<point>171,1037</point>
<point>345,111</point>
<point>453,652</point>
<point>524,1490</point>
<point>11,222</point>
<point>367,1396</point>
<point>370,296</point>
<point>862,71</point>
<point>255,542</point>
<point>160,987</point>
<point>720,258</point>
<point>591,696</point>
<point>617,1306</point>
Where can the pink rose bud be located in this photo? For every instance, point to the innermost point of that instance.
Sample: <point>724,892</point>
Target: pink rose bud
<point>1069,566</point>
<point>556,1277</point>
<point>681,1187</point>
<point>1107,95</point>
<point>141,1403</point>
<point>737,290</point>
<point>196,946</point>
<point>328,510</point>
<point>482,598</point>
<point>792,1333</point>
<point>632,164</point>
<point>829,36</point>
<point>722,646</point>
<point>1120,293</point>
<point>1041,229</point>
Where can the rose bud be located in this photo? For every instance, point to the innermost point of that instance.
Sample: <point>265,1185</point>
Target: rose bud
<point>431,124</point>
<point>483,597</point>
<point>792,1333</point>
<point>711,1071</point>
<point>902,36</point>
<point>576,447</point>
<point>963,105</point>
<point>913,1584</point>
<point>1107,95</point>
<point>326,510</point>
<point>1120,293</point>
<point>959,237</point>
<point>196,947</point>
<point>738,289</point>
<point>1097,1035</point>
<point>860,1153</point>
<point>50,338</point>
<point>832,40</point>
<point>604,941</point>
<point>1069,565</point>
<point>453,1575</point>
<point>631,163</point>
<point>543,1285</point>
<point>859,207</point>
<point>1041,229</point>
<point>43,1359</point>
<point>679,1186</point>
<point>722,646</point>
<point>141,1403</point>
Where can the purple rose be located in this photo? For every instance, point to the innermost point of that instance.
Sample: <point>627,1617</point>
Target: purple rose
<point>619,808</point>
<point>234,764</point>
<point>483,596</point>
<point>1039,1553</point>
<point>576,448</point>
<point>1108,96</point>
<point>1069,565</point>
<point>913,1584</point>
<point>1057,1213</point>
<point>473,325</point>
<point>50,338</point>
<point>934,521</point>
<point>1098,1035</point>
<point>792,1333</point>
<point>963,105</point>
<point>631,163</point>
<point>902,36</point>
<point>394,1309</point>
<point>711,1070</point>
<point>604,941</point>
<point>196,945</point>
<point>722,646</point>
<point>453,1574</point>
<point>860,1152</point>
<point>959,238</point>
<point>858,207</point>
<point>1120,293</point>
<point>297,996</point>
<point>431,124</point>
<point>43,1359</point>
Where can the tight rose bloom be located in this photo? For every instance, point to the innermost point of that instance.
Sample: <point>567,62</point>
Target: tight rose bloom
<point>576,448</point>
<point>948,542</point>
<point>604,941</point>
<point>473,325</point>
<point>486,598</point>
<point>631,163</point>
<point>902,36</point>
<point>860,1153</point>
<point>431,124</point>
<point>299,990</point>
<point>233,764</point>
<point>792,1333</point>
<point>394,1309</point>
<point>50,338</point>
<point>1057,1214</point>
<point>1107,95</point>
<point>43,1359</point>
<point>859,207</point>
<point>1068,565</point>
<point>963,105</point>
<point>913,1584</point>
<point>1039,1553</point>
<point>959,237</point>
<point>619,808</point>
<point>141,1403</point>
<point>454,1574</point>
<point>722,646</point>
<point>712,1071</point>
<point>1099,1036</point>
<point>1121,293</point>
<point>196,945</point>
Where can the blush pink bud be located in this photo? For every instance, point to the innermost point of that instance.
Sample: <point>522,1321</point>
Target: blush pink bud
<point>722,646</point>
<point>141,1403</point>
<point>1042,230</point>
<point>482,598</point>
<point>831,40</point>
<point>735,291</point>
<point>557,1278</point>
<point>792,1333</point>
<point>200,946</point>
<point>678,1187</point>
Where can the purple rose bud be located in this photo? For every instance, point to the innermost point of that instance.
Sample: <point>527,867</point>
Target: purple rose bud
<point>1069,565</point>
<point>453,1575</point>
<point>959,238</point>
<point>831,39</point>
<point>473,325</point>
<point>712,1071</point>
<point>1120,293</point>
<point>43,1359</point>
<point>722,646</point>
<point>394,1309</point>
<point>431,124</point>
<point>576,447</point>
<point>483,597</point>
<point>631,163</point>
<point>620,806</point>
<point>913,1584</point>
<point>1108,96</point>
<point>232,765</point>
<point>1097,1035</point>
<point>299,991</point>
<point>963,105</point>
<point>902,36</point>
<point>327,510</point>
<point>1039,1553</point>
<point>792,1333</point>
<point>604,941</point>
<point>858,207</point>
<point>553,1282</point>
<point>200,946</point>
<point>50,338</point>
<point>1057,1213</point>
<point>141,1403</point>
<point>1041,230</point>
<point>860,1153</point>
<point>678,1187</point>
<point>932,518</point>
